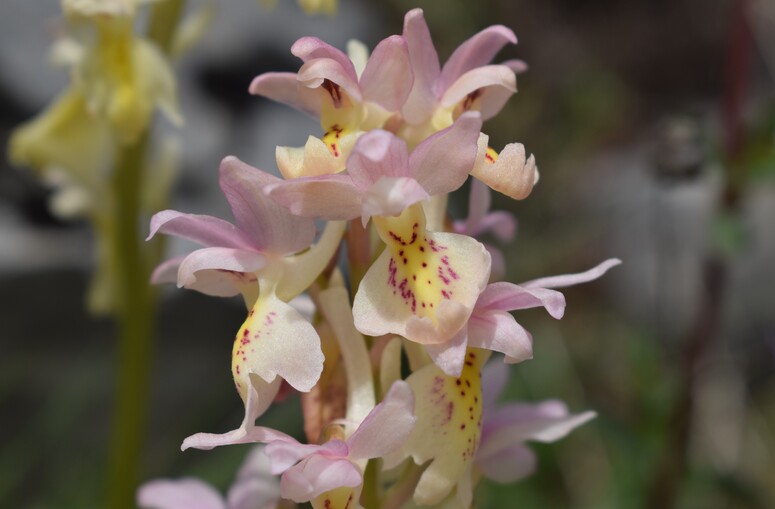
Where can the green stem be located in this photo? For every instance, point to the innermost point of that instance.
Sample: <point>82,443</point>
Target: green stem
<point>135,298</point>
<point>402,491</point>
<point>135,322</point>
<point>370,493</point>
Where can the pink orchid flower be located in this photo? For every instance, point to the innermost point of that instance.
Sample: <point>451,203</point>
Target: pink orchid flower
<point>348,99</point>
<point>331,474</point>
<point>502,455</point>
<point>254,488</point>
<point>254,257</point>
<point>425,284</point>
<point>460,434</point>
<point>492,327</point>
<point>232,253</point>
<point>465,83</point>
<point>383,178</point>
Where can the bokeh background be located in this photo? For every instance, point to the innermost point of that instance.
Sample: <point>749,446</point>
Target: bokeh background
<point>640,114</point>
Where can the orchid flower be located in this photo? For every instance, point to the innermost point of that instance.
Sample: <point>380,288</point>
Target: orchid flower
<point>254,488</point>
<point>424,285</point>
<point>502,455</point>
<point>382,178</point>
<point>492,327</point>
<point>122,77</point>
<point>347,99</point>
<point>480,221</point>
<point>463,435</point>
<point>465,82</point>
<point>330,475</point>
<point>253,258</point>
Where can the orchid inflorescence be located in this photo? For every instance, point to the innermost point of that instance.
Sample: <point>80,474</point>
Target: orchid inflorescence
<point>399,132</point>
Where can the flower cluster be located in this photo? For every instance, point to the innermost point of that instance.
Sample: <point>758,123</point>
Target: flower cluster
<point>399,132</point>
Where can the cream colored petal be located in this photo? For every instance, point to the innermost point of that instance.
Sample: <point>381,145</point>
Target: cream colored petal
<point>318,156</point>
<point>358,54</point>
<point>276,340</point>
<point>511,172</point>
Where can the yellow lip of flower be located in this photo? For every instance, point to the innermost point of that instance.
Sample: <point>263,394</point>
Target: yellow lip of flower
<point>448,429</point>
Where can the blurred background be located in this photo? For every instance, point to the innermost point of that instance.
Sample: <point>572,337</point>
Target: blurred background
<point>653,123</point>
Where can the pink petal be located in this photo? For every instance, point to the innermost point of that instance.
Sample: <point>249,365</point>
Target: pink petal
<point>311,48</point>
<point>390,196</point>
<point>495,376</point>
<point>518,66</point>
<point>387,427</point>
<point>167,271</point>
<point>316,475</point>
<point>284,87</point>
<point>270,226</point>
<point>179,494</point>
<point>255,487</point>
<point>314,72</point>
<point>498,269</point>
<point>479,202</point>
<point>206,230</point>
<point>507,465</point>
<point>387,79</point>
<point>548,421</point>
<point>450,356</point>
<point>480,220</point>
<point>377,154</point>
<point>425,64</point>
<point>498,331</point>
<point>573,279</point>
<point>510,297</point>
<point>283,454</point>
<point>255,494</point>
<point>493,85</point>
<point>260,396</point>
<point>501,223</point>
<point>477,51</point>
<point>442,162</point>
<point>332,197</point>
<point>223,259</point>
